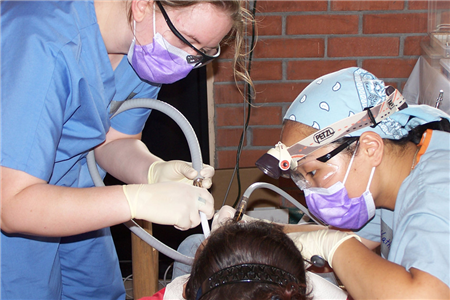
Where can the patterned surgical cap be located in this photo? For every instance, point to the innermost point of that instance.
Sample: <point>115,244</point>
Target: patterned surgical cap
<point>338,95</point>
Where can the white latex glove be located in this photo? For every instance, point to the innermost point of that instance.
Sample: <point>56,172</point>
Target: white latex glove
<point>178,170</point>
<point>169,203</point>
<point>226,213</point>
<point>321,242</point>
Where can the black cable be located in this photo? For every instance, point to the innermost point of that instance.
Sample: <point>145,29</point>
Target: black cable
<point>249,102</point>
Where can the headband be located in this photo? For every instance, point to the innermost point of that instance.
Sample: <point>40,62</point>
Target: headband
<point>246,273</point>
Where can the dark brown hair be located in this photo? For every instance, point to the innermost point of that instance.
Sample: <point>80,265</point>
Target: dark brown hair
<point>248,243</point>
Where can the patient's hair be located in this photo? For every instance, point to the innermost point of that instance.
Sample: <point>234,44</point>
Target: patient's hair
<point>255,260</point>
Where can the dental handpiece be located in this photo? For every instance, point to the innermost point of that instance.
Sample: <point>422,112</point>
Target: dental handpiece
<point>204,221</point>
<point>240,209</point>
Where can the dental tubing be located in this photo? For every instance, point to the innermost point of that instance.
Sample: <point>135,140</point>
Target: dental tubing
<point>197,164</point>
<point>279,191</point>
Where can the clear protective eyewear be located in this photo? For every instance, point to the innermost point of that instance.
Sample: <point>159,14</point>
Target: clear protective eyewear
<point>203,57</point>
<point>279,160</point>
<point>317,172</point>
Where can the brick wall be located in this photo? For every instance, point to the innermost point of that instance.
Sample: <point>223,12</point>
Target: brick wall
<point>300,41</point>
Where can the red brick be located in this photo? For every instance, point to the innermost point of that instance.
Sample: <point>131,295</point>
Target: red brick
<point>339,5</point>
<point>227,93</point>
<point>287,48</point>
<point>395,23</point>
<point>322,24</point>
<point>278,92</point>
<point>363,46</point>
<point>412,45</point>
<point>417,4</point>
<point>227,50</point>
<point>229,137</point>
<point>266,6</point>
<point>266,136</point>
<point>302,70</point>
<point>390,68</point>
<point>268,25</point>
<point>223,71</point>
<point>227,158</point>
<point>233,116</point>
<point>266,70</point>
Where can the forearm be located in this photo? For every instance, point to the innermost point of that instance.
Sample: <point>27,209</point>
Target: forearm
<point>48,210</point>
<point>287,228</point>
<point>127,159</point>
<point>368,276</point>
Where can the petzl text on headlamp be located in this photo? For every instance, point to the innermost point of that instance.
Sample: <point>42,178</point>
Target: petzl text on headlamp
<point>277,161</point>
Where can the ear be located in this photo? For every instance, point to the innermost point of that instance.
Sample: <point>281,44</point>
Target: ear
<point>140,8</point>
<point>184,290</point>
<point>372,146</point>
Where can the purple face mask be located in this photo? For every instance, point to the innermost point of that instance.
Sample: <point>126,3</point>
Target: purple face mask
<point>336,208</point>
<point>159,62</point>
<point>333,205</point>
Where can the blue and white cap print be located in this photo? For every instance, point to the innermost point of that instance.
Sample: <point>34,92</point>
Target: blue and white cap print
<point>341,94</point>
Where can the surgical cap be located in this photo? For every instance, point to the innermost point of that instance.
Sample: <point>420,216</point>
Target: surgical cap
<point>341,94</point>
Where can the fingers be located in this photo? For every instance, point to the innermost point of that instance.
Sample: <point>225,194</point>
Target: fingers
<point>205,203</point>
<point>207,171</point>
<point>187,170</point>
<point>224,214</point>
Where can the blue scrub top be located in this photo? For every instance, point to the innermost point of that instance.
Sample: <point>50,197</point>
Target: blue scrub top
<point>417,233</point>
<point>57,84</point>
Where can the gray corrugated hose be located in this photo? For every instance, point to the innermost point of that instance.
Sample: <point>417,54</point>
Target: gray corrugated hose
<point>197,164</point>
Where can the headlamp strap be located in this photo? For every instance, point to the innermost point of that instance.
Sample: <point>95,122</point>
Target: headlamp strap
<point>371,116</point>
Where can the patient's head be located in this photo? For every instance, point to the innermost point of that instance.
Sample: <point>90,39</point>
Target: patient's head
<point>255,260</point>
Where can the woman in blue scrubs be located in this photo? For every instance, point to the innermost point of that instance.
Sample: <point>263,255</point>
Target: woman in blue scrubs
<point>64,65</point>
<point>384,175</point>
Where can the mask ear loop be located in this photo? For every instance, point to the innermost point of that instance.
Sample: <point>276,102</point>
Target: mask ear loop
<point>350,165</point>
<point>370,178</point>
<point>351,162</point>
<point>154,19</point>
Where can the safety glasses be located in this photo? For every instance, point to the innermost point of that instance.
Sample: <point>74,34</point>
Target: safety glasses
<point>318,171</point>
<point>203,57</point>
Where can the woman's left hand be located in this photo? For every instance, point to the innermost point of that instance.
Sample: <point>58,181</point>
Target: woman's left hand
<point>177,170</point>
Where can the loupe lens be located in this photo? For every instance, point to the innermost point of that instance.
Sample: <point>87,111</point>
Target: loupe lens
<point>269,165</point>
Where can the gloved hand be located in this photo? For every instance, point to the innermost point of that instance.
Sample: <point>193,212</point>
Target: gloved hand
<point>320,242</point>
<point>226,213</point>
<point>169,203</point>
<point>177,170</point>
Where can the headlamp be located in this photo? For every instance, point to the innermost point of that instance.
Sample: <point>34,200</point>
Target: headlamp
<point>277,161</point>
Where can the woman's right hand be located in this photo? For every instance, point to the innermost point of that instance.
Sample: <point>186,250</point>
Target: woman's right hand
<point>169,203</point>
